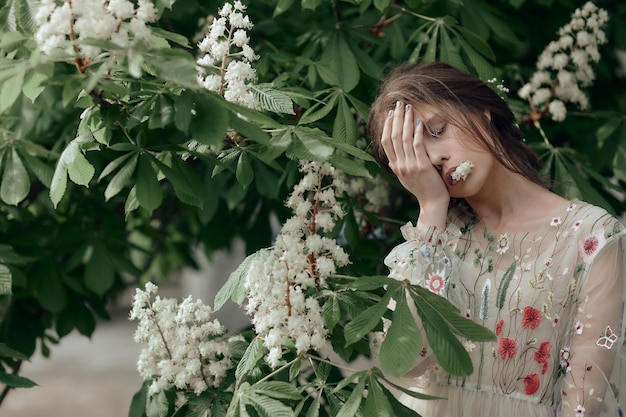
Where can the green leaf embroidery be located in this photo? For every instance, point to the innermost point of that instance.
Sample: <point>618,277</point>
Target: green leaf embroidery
<point>504,285</point>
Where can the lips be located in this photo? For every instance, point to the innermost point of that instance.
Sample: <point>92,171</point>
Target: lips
<point>448,176</point>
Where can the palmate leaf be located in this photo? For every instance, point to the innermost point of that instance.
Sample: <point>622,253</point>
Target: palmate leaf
<point>442,324</point>
<point>351,406</point>
<point>344,126</point>
<point>251,356</point>
<point>376,403</point>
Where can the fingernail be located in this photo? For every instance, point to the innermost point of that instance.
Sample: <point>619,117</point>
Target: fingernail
<point>417,122</point>
<point>398,104</point>
<point>390,113</point>
<point>407,108</point>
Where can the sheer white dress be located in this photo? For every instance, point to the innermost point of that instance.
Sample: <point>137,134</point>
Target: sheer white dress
<point>554,297</point>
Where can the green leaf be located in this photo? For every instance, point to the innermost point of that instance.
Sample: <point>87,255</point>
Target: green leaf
<point>174,66</point>
<point>183,107</point>
<point>349,166</point>
<point>271,99</point>
<point>7,352</point>
<point>99,274</point>
<point>607,129</point>
<point>32,84</point>
<point>15,180</point>
<point>320,109</point>
<point>121,178</point>
<point>58,183</point>
<point>339,57</point>
<point>268,407</point>
<point>369,283</point>
<point>307,144</point>
<point>157,405</point>
<point>282,6</point>
<point>251,356</point>
<point>42,171</point>
<point>403,343</point>
<point>344,126</point>
<point>376,403</point>
<point>351,406</point>
<point>233,288</point>
<point>80,170</point>
<point>277,389</point>
<point>209,124</point>
<point>15,381</point>
<point>10,90</point>
<point>366,321</point>
<point>244,171</point>
<point>51,293</point>
<point>188,188</point>
<point>138,402</point>
<point>5,284</point>
<point>149,192</point>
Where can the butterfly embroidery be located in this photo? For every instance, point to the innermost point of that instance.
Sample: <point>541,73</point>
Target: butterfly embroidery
<point>607,339</point>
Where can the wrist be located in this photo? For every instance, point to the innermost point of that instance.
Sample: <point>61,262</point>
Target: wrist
<point>434,214</point>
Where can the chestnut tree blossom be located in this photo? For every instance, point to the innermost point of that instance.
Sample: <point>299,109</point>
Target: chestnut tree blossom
<point>225,62</point>
<point>565,65</point>
<point>183,345</point>
<point>63,25</point>
<point>284,284</point>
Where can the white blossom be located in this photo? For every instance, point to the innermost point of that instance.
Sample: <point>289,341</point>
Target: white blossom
<point>564,67</point>
<point>62,26</point>
<point>282,284</point>
<point>226,56</point>
<point>184,346</point>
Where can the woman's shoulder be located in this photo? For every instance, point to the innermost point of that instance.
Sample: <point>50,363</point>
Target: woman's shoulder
<point>592,219</point>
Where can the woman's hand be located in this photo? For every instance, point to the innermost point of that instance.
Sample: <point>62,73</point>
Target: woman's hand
<point>403,142</point>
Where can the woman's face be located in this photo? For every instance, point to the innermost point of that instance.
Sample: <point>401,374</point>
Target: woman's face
<point>448,146</point>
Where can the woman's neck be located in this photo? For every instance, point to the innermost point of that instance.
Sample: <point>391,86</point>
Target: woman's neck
<point>513,203</point>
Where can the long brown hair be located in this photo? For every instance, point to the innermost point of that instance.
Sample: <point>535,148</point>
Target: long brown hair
<point>465,101</point>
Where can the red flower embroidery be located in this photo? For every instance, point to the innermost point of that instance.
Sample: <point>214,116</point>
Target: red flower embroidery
<point>531,317</point>
<point>507,348</point>
<point>531,383</point>
<point>543,352</point>
<point>590,245</point>
<point>499,327</point>
<point>544,368</point>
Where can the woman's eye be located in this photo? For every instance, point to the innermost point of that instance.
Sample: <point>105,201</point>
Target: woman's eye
<point>436,130</point>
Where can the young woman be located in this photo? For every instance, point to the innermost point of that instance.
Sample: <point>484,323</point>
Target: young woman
<point>545,274</point>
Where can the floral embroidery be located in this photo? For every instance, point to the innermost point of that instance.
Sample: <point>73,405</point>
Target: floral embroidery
<point>503,244</point>
<point>607,339</point>
<point>543,352</point>
<point>576,225</point>
<point>580,410</point>
<point>499,327</point>
<point>565,360</point>
<point>590,245</point>
<point>531,384</point>
<point>507,348</point>
<point>555,320</point>
<point>571,207</point>
<point>436,283</point>
<point>555,221</point>
<point>531,317</point>
<point>578,327</point>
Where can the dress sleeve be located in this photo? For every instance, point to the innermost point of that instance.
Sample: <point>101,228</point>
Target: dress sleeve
<point>592,363</point>
<point>425,258</point>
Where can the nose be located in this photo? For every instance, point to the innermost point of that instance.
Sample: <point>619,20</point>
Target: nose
<point>437,153</point>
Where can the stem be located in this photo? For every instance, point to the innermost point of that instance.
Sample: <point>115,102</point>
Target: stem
<point>337,365</point>
<point>276,371</point>
<point>543,134</point>
<point>421,16</point>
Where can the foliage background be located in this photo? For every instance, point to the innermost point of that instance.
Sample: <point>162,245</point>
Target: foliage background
<point>118,223</point>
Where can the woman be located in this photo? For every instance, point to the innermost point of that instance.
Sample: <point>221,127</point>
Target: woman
<point>545,274</point>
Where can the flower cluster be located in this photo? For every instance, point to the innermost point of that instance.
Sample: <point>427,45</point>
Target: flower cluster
<point>226,56</point>
<point>565,65</point>
<point>283,286</point>
<point>117,21</point>
<point>183,350</point>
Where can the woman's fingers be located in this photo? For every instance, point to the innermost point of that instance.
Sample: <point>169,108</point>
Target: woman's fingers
<point>386,140</point>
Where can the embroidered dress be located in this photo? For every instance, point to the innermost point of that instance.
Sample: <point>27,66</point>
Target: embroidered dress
<point>554,298</point>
